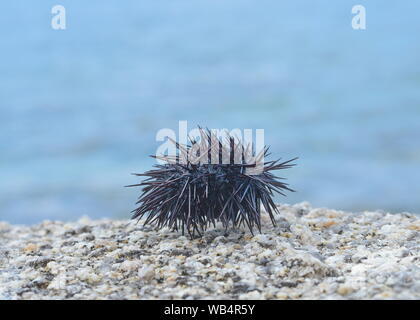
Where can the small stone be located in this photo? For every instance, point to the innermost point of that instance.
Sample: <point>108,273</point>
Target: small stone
<point>128,266</point>
<point>253,295</point>
<point>31,247</point>
<point>146,273</point>
<point>344,289</point>
<point>310,254</point>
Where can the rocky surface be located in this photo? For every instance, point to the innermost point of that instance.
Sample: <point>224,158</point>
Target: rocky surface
<point>310,254</point>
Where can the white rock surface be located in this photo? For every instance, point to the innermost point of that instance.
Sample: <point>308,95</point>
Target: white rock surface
<point>309,254</point>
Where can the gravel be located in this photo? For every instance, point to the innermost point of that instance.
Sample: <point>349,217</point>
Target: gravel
<point>310,254</point>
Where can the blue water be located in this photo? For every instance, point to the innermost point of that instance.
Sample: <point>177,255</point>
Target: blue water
<point>79,108</point>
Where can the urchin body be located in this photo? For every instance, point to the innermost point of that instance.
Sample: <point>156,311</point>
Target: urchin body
<point>190,196</point>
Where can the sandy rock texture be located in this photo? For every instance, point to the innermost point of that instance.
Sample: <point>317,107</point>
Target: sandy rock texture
<point>310,254</point>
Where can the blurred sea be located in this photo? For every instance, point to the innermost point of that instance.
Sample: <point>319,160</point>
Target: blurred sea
<point>79,108</point>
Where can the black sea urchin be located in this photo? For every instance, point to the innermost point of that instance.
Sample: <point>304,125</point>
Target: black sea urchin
<point>209,181</point>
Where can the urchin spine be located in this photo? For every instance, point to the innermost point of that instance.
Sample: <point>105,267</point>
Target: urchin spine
<point>188,194</point>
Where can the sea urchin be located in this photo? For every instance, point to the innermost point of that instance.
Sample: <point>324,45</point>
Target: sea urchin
<point>188,194</point>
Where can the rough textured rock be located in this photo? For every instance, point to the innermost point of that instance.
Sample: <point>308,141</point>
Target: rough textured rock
<point>310,254</point>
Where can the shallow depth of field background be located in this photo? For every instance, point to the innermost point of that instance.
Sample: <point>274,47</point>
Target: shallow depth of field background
<point>79,108</point>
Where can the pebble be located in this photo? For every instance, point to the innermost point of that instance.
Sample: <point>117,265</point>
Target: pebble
<point>311,253</point>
